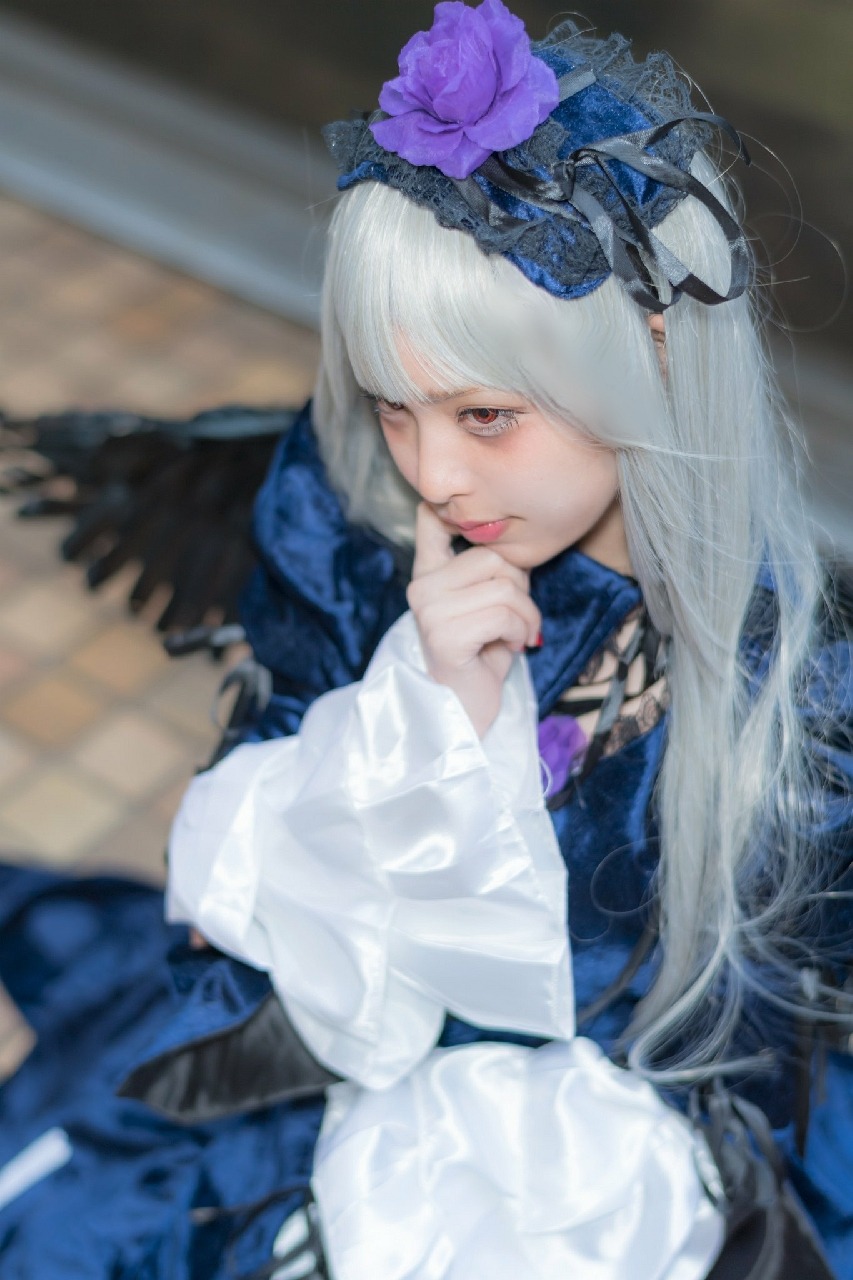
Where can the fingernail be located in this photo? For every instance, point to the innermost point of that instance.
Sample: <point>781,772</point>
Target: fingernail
<point>538,644</point>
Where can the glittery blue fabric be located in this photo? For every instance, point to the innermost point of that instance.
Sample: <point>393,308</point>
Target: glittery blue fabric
<point>107,985</point>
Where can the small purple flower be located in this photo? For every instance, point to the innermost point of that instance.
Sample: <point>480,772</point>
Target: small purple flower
<point>467,88</point>
<point>561,742</point>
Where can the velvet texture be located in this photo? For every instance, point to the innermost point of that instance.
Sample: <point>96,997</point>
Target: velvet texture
<point>108,986</point>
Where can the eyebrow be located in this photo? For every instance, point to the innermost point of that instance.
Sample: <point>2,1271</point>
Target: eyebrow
<point>432,397</point>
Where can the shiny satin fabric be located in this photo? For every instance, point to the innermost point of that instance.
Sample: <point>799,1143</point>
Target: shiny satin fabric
<point>97,973</point>
<point>508,1162</point>
<point>386,866</point>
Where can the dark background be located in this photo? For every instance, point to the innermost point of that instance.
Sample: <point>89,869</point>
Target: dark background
<point>779,69</point>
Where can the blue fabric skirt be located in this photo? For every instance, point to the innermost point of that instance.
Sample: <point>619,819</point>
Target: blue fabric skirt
<point>87,964</point>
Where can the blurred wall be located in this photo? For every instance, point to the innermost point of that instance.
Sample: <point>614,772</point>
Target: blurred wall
<point>780,69</point>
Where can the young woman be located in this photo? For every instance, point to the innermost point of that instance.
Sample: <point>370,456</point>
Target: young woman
<point>528,894</point>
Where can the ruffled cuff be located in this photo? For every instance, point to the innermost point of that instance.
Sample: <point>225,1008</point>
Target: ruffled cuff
<point>385,866</point>
<point>502,1161</point>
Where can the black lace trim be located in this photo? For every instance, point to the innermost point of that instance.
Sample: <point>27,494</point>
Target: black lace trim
<point>614,727</point>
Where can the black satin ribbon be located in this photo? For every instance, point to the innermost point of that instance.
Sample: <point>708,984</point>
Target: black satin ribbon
<point>247,1214</point>
<point>768,1235</point>
<point>629,254</point>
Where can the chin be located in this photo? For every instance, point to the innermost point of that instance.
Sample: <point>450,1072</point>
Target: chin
<point>527,557</point>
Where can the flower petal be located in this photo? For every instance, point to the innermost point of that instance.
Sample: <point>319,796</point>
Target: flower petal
<point>463,81</point>
<point>408,53</point>
<point>543,85</point>
<point>515,114</point>
<point>512,120</point>
<point>509,41</point>
<point>464,159</point>
<point>467,87</point>
<point>448,15</point>
<point>421,139</point>
<point>395,97</point>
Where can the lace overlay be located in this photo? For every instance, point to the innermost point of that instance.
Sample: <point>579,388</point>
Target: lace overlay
<point>620,695</point>
<point>646,695</point>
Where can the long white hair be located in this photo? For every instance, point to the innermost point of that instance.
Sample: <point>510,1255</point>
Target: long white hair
<point>709,468</point>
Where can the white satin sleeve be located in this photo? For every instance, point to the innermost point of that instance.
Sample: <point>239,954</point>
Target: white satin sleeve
<point>384,866</point>
<point>502,1161</point>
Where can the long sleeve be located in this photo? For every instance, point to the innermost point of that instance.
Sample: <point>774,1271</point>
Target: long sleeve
<point>384,866</point>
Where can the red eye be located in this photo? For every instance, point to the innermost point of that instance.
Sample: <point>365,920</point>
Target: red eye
<point>484,417</point>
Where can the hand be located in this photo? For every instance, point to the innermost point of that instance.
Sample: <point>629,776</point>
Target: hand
<point>473,612</point>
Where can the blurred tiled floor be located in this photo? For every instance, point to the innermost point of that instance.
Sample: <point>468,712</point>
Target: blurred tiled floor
<point>99,730</point>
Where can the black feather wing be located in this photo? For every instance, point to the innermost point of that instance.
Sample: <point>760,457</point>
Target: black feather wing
<point>172,497</point>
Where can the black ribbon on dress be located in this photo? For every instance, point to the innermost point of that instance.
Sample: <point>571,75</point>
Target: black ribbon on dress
<point>308,1253</point>
<point>768,1234</point>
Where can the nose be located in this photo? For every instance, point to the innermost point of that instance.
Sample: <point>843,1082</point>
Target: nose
<point>443,473</point>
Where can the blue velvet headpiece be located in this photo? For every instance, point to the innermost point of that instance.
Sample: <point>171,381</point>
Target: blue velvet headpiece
<point>577,200</point>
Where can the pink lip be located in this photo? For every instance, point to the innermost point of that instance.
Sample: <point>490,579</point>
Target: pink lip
<point>490,531</point>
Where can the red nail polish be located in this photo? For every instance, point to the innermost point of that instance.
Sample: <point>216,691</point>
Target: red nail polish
<point>538,639</point>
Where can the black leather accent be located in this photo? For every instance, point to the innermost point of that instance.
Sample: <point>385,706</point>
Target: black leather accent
<point>254,1064</point>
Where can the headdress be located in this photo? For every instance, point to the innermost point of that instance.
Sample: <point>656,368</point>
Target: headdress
<point>555,154</point>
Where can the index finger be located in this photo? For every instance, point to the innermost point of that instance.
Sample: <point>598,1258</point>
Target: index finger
<point>432,542</point>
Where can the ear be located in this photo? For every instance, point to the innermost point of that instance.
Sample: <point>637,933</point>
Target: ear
<point>657,328</point>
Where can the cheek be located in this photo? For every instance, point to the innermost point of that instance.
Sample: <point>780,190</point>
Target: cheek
<point>599,478</point>
<point>402,451</point>
<point>577,475</point>
<point>574,488</point>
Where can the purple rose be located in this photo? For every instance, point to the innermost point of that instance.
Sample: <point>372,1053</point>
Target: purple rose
<point>467,88</point>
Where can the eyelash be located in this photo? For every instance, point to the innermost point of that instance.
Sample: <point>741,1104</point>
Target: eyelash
<point>507,419</point>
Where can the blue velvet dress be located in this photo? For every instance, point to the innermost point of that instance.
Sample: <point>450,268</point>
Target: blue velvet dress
<point>109,988</point>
